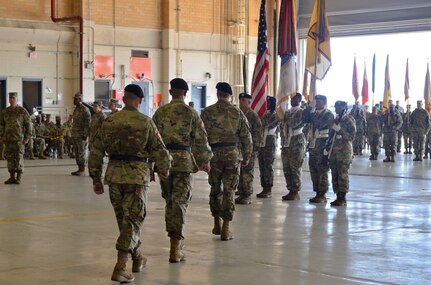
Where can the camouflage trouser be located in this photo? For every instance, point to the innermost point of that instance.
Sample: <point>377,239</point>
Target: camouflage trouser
<point>428,144</point>
<point>358,142</point>
<point>58,144</point>
<point>390,143</point>
<point>399,135</point>
<point>266,157</point>
<point>318,170</point>
<point>340,174</point>
<point>80,148</point>
<point>223,178</point>
<point>292,159</point>
<point>177,192</point>
<point>29,148</point>
<point>14,152</point>
<point>1,150</point>
<point>374,141</point>
<point>407,140</point>
<point>246,176</point>
<point>129,202</point>
<point>40,142</point>
<point>418,143</point>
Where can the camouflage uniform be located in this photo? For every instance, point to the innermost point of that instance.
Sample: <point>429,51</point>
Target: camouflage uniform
<point>374,133</point>
<point>14,130</point>
<point>320,121</point>
<point>420,125</point>
<point>392,121</point>
<point>183,132</point>
<point>266,152</point>
<point>400,130</point>
<point>427,145</point>
<point>30,145</point>
<point>227,128</point>
<point>68,144</point>
<point>39,140</point>
<point>293,150</point>
<point>80,132</point>
<point>361,125</point>
<point>246,177</point>
<point>130,139</point>
<point>96,122</point>
<point>406,129</point>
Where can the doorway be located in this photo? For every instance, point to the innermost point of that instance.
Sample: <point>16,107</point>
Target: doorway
<point>31,94</point>
<point>102,91</point>
<point>199,96</point>
<point>2,93</point>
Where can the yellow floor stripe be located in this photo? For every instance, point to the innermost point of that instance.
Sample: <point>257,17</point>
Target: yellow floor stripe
<point>55,217</point>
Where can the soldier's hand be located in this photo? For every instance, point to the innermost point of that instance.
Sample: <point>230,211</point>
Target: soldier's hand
<point>244,163</point>
<point>163,175</point>
<point>98,188</point>
<point>204,167</point>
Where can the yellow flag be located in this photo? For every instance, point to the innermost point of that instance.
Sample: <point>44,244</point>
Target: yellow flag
<point>387,91</point>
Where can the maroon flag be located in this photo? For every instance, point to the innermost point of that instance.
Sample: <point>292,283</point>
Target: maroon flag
<point>355,89</point>
<point>364,92</point>
<point>259,86</point>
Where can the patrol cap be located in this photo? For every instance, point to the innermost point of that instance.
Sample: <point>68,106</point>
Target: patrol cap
<point>77,95</point>
<point>13,95</point>
<point>320,97</point>
<point>419,101</point>
<point>224,87</point>
<point>271,99</point>
<point>341,103</point>
<point>97,103</point>
<point>244,96</point>
<point>114,101</point>
<point>134,89</point>
<point>179,83</point>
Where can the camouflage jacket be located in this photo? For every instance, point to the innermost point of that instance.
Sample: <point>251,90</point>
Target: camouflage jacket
<point>360,119</point>
<point>374,125</point>
<point>15,124</point>
<point>407,122</point>
<point>181,127</point>
<point>392,121</point>
<point>255,127</point>
<point>420,121</point>
<point>40,130</point>
<point>81,122</point>
<point>342,147</point>
<point>320,121</point>
<point>269,126</point>
<point>227,124</point>
<point>293,125</point>
<point>96,122</point>
<point>127,133</point>
<point>50,129</point>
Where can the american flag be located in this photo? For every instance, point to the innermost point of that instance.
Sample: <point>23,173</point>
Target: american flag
<point>259,86</point>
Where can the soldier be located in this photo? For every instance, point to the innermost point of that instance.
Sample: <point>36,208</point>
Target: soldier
<point>319,121</point>
<point>183,132</point>
<point>420,125</point>
<point>39,140</point>
<point>130,139</point>
<point>58,139</point>
<point>392,121</point>
<point>68,143</point>
<point>340,151</point>
<point>15,132</point>
<point>246,176</point>
<point>427,145</point>
<point>114,105</point>
<point>266,152</point>
<point>361,125</point>
<point>80,132</point>
<point>400,130</point>
<point>29,146</point>
<point>374,133</point>
<point>406,128</point>
<point>293,148</point>
<point>227,129</point>
<point>96,122</point>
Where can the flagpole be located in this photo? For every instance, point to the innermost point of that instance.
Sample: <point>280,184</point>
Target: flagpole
<point>274,57</point>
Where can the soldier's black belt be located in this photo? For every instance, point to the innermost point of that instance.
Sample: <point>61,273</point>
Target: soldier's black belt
<point>216,145</point>
<point>178,147</point>
<point>128,158</point>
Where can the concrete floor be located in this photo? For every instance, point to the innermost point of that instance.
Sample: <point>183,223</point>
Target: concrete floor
<point>54,230</point>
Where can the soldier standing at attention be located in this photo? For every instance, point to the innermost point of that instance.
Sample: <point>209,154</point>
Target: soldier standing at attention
<point>246,176</point>
<point>293,148</point>
<point>96,122</point>
<point>227,129</point>
<point>341,152</point>
<point>400,131</point>
<point>183,132</point>
<point>130,139</point>
<point>80,133</point>
<point>406,128</point>
<point>15,132</point>
<point>361,125</point>
<point>320,121</point>
<point>374,132</point>
<point>392,121</point>
<point>420,123</point>
<point>113,105</point>
<point>266,153</point>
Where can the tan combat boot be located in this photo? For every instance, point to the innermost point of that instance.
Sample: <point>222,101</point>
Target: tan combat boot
<point>80,171</point>
<point>31,156</point>
<point>243,200</point>
<point>226,234</point>
<point>11,179</point>
<point>341,200</point>
<point>139,260</point>
<point>266,193</point>
<point>319,198</point>
<point>176,255</point>
<point>18,178</point>
<point>217,226</point>
<point>120,273</point>
<point>291,196</point>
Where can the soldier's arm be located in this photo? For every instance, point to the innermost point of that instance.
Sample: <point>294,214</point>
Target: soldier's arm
<point>245,138</point>
<point>348,130</point>
<point>200,147</point>
<point>27,126</point>
<point>256,132</point>
<point>157,149</point>
<point>273,122</point>
<point>95,159</point>
<point>2,126</point>
<point>87,120</point>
